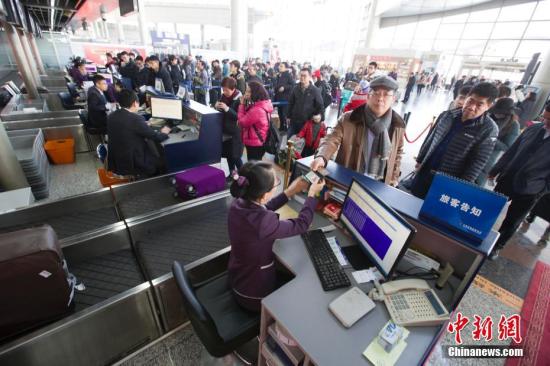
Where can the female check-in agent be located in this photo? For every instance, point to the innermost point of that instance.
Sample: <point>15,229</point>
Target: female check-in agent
<point>254,227</point>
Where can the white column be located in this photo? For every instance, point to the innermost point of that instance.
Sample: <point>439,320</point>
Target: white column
<point>239,26</point>
<point>36,53</point>
<point>121,38</point>
<point>203,43</point>
<point>542,80</point>
<point>28,55</point>
<point>22,65</point>
<point>373,24</point>
<point>143,30</point>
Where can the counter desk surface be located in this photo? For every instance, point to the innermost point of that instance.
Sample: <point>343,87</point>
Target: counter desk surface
<point>301,307</point>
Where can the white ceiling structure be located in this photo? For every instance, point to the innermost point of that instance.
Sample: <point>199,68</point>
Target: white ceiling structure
<point>403,8</point>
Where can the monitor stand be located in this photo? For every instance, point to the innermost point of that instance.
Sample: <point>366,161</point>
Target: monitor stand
<point>357,258</point>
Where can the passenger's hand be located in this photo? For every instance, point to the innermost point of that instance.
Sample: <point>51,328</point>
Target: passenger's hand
<point>297,186</point>
<point>317,164</point>
<point>316,188</point>
<point>222,106</point>
<point>165,130</point>
<point>281,89</point>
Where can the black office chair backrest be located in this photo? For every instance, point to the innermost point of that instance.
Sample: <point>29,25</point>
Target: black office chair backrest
<point>200,319</point>
<point>72,89</point>
<point>83,114</point>
<point>66,99</point>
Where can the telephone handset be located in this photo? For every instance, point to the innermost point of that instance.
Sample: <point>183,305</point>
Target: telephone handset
<point>411,302</point>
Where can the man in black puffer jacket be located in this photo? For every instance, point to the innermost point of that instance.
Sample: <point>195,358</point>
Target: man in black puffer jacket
<point>284,84</point>
<point>305,102</point>
<point>460,143</point>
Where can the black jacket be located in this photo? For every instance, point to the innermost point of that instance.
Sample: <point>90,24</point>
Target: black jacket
<point>286,81</point>
<point>144,77</point>
<point>530,174</point>
<point>164,75</point>
<point>234,147</point>
<point>129,152</point>
<point>175,74</point>
<point>97,111</point>
<point>130,70</point>
<point>468,151</point>
<point>303,104</point>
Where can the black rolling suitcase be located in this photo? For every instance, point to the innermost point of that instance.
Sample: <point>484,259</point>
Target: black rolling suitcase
<point>35,284</point>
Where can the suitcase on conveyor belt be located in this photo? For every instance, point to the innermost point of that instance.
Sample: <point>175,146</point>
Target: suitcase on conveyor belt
<point>199,181</point>
<point>35,284</point>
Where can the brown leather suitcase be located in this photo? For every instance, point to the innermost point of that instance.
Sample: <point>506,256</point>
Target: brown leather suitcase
<point>35,285</point>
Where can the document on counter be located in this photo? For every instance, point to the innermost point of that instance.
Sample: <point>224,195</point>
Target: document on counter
<point>366,275</point>
<point>337,251</point>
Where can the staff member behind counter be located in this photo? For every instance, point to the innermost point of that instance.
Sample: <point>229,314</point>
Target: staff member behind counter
<point>254,227</point>
<point>129,151</point>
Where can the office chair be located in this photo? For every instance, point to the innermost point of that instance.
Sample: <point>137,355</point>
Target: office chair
<point>90,131</point>
<point>73,90</point>
<point>67,101</point>
<point>221,324</point>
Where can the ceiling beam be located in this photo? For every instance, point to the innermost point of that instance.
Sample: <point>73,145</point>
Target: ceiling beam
<point>45,7</point>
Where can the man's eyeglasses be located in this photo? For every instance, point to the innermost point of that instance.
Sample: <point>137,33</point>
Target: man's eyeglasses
<point>379,94</point>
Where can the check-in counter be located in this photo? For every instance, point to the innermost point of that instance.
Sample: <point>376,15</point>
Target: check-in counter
<point>199,143</point>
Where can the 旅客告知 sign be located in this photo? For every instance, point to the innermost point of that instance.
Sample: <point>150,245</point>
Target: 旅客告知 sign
<point>462,206</point>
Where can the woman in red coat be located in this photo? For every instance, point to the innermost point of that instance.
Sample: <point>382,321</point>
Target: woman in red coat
<point>253,118</point>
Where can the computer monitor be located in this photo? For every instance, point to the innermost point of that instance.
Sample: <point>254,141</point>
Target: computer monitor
<point>382,233</point>
<point>166,108</point>
<point>108,77</point>
<point>90,69</point>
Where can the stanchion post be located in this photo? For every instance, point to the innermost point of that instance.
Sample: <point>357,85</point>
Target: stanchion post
<point>290,154</point>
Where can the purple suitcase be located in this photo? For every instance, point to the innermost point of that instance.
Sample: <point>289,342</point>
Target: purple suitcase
<point>199,181</point>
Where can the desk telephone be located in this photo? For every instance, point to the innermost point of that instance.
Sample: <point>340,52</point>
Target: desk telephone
<point>411,302</point>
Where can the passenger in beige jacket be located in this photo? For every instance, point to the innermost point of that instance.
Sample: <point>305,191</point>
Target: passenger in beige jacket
<point>370,138</point>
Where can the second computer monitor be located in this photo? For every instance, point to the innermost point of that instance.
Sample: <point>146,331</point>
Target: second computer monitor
<point>381,232</point>
<point>166,108</point>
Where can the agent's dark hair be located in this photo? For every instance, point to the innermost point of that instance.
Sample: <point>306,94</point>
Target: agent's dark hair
<point>236,63</point>
<point>259,180</point>
<point>485,90</point>
<point>127,98</point>
<point>229,82</point>
<point>465,90</point>
<point>97,78</point>
<point>504,91</point>
<point>373,63</point>
<point>257,91</point>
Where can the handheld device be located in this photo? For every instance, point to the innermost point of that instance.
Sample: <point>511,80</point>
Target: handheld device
<point>313,177</point>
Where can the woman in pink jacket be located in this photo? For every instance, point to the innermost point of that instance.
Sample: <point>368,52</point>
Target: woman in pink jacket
<point>253,118</point>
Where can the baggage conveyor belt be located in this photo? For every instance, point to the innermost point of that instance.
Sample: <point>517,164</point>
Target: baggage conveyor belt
<point>75,223</point>
<point>192,239</point>
<point>105,277</point>
<point>176,237</point>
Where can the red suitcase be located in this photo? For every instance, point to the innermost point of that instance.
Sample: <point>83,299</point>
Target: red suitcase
<point>199,181</point>
<point>35,284</point>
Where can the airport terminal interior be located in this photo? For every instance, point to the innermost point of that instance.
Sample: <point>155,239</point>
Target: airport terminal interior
<point>235,182</point>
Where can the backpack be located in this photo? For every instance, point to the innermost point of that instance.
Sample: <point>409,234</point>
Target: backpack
<point>327,97</point>
<point>272,142</point>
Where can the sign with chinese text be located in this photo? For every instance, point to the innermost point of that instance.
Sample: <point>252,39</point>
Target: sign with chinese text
<point>463,206</point>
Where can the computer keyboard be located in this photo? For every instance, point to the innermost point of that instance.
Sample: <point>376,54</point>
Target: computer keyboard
<point>326,264</point>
